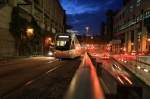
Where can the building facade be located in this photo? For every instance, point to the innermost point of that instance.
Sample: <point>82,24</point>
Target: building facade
<point>7,42</point>
<point>48,14</point>
<point>132,25</point>
<point>107,27</point>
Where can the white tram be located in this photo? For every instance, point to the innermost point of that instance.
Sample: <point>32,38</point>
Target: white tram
<point>67,46</point>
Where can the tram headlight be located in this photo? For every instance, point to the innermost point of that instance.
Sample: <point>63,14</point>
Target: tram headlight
<point>50,53</point>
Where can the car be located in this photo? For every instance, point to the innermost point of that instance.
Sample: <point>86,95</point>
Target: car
<point>133,53</point>
<point>105,56</point>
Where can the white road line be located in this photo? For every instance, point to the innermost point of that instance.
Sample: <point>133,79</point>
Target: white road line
<point>52,61</point>
<point>51,70</point>
<point>104,85</point>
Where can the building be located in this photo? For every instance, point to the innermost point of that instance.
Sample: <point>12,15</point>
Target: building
<point>115,46</point>
<point>125,2</point>
<point>48,15</point>
<point>107,27</point>
<point>132,25</point>
<point>7,42</point>
<point>92,42</point>
<point>109,24</point>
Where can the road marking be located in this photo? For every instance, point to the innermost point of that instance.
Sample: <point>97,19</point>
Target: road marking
<point>52,61</point>
<point>51,70</point>
<point>104,85</point>
<point>29,82</point>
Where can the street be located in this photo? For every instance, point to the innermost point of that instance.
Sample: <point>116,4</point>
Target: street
<point>50,78</point>
<point>74,49</point>
<point>33,78</point>
<point>118,82</point>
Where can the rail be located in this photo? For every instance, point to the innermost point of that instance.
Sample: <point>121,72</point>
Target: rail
<point>85,83</point>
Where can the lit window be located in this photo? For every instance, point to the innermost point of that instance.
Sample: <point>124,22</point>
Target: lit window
<point>61,43</point>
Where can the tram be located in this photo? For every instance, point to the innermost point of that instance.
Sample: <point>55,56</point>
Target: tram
<point>67,46</point>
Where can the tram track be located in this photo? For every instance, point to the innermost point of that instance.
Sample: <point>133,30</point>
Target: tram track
<point>28,82</point>
<point>42,82</point>
<point>11,70</point>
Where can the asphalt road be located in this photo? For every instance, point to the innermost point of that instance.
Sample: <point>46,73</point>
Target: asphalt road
<point>36,78</point>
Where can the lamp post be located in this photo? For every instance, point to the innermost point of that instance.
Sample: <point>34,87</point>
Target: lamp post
<point>87,31</point>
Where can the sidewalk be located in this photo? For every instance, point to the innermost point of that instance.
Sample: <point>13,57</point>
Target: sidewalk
<point>10,58</point>
<point>4,60</point>
<point>140,69</point>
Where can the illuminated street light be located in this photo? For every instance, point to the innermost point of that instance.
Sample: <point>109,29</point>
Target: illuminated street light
<point>139,67</point>
<point>87,28</point>
<point>48,41</point>
<point>87,31</point>
<point>124,49</point>
<point>146,70</point>
<point>148,39</point>
<point>30,32</point>
<point>132,44</point>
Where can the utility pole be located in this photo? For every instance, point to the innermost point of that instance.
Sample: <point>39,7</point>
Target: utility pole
<point>87,31</point>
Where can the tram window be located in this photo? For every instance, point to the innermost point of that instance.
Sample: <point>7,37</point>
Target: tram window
<point>61,43</point>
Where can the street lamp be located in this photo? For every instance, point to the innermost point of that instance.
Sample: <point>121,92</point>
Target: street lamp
<point>148,39</point>
<point>92,37</point>
<point>87,31</point>
<point>48,40</point>
<point>30,32</point>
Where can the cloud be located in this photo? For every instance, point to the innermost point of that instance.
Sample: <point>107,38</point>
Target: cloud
<point>77,8</point>
<point>82,13</point>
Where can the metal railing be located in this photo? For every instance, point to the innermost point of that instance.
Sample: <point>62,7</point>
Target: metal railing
<point>85,83</point>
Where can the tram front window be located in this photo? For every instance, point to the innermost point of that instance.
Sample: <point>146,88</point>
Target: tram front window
<point>63,45</point>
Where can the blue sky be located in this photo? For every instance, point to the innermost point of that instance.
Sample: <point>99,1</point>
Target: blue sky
<point>83,13</point>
